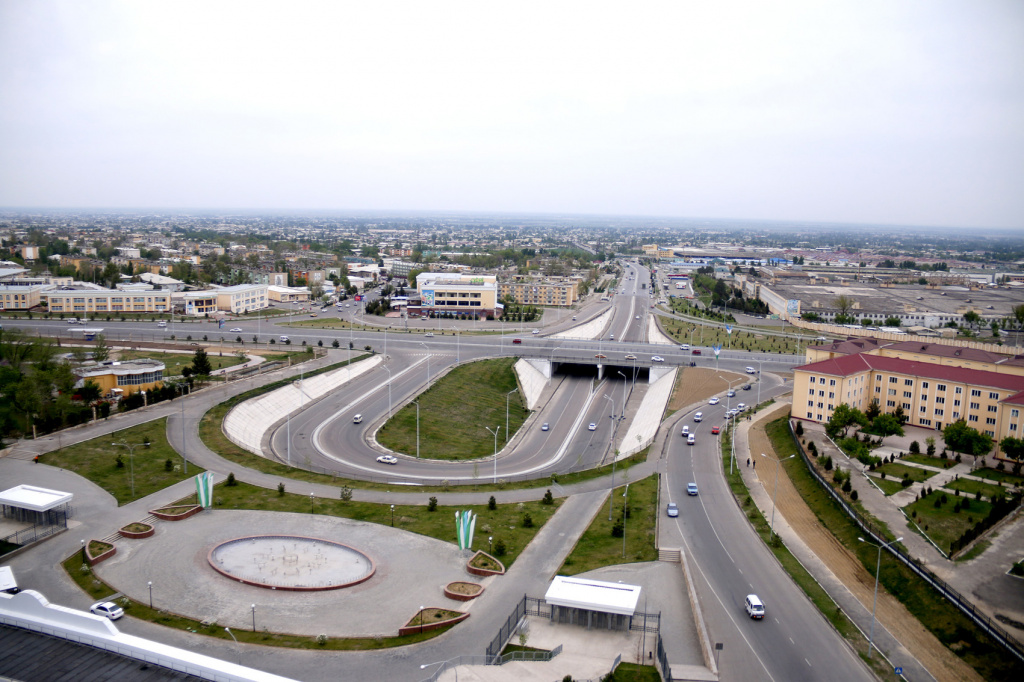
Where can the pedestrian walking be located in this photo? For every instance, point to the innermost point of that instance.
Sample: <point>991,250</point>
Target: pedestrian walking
<point>748,462</point>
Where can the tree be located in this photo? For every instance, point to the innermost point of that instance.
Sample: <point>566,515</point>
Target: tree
<point>962,438</point>
<point>1013,448</point>
<point>842,418</point>
<point>873,410</point>
<point>101,351</point>
<point>972,318</point>
<point>201,364</point>
<point>887,425</point>
<point>843,305</point>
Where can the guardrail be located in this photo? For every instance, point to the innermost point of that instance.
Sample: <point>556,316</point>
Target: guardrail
<point>965,605</point>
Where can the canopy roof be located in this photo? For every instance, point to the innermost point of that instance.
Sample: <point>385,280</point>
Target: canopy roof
<point>34,498</point>
<point>593,595</point>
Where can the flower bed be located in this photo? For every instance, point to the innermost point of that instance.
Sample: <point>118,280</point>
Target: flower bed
<point>484,564</point>
<point>97,551</point>
<point>178,512</point>
<point>137,530</point>
<point>463,591</point>
<point>431,619</point>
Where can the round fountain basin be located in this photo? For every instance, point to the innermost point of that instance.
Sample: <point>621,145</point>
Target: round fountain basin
<point>291,562</point>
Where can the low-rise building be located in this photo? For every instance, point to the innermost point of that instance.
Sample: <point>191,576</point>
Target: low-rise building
<point>457,293</point>
<point>22,297</point>
<point>282,294</point>
<point>103,301</point>
<point>122,378</point>
<point>242,298</point>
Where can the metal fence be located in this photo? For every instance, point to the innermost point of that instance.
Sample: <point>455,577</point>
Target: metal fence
<point>662,653</point>
<point>530,656</point>
<point>640,621</point>
<point>506,630</point>
<point>26,536</point>
<point>960,601</point>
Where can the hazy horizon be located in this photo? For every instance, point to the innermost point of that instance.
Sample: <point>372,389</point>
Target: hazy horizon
<point>850,113</point>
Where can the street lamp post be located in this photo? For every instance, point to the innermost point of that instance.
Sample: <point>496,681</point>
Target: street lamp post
<point>878,566</point>
<point>392,516</point>
<point>421,618</point>
<point>625,504</point>
<point>131,462</point>
<point>253,607</point>
<point>150,585</point>
<point>507,396</point>
<point>732,440</point>
<point>311,503</point>
<point>456,668</point>
<point>389,391</point>
<point>417,404</point>
<point>458,343</point>
<point>228,630</point>
<point>611,442</point>
<point>625,380</point>
<point>495,432</point>
<point>759,382</point>
<point>775,488</point>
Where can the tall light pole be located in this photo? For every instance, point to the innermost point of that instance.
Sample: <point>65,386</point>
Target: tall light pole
<point>253,607</point>
<point>131,462</point>
<point>455,668</point>
<point>389,391</point>
<point>625,503</point>
<point>417,404</point>
<point>732,426</point>
<point>625,380</point>
<point>759,382</point>
<point>150,585</point>
<point>458,342</point>
<point>507,396</point>
<point>427,348</point>
<point>775,489</point>
<point>878,566</point>
<point>611,443</point>
<point>495,432</point>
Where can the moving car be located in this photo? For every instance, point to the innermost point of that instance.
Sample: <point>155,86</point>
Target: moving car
<point>631,357</point>
<point>740,407</point>
<point>283,339</point>
<point>657,358</point>
<point>714,430</point>
<point>544,426</point>
<point>731,393</point>
<point>638,317</point>
<point>236,330</point>
<point>698,416</point>
<point>713,401</point>
<point>685,346</point>
<point>357,419</point>
<point>573,318</point>
<point>754,606</point>
<point>691,439</point>
<point>429,334</point>
<point>536,331</point>
<point>751,370</point>
<point>162,323</point>
<point>672,510</point>
<point>108,609</point>
<point>601,357</point>
<point>387,459</point>
<point>517,340</point>
<point>313,314</point>
<point>696,351</point>
<point>686,430</point>
<point>746,387</point>
<point>691,488</point>
<point>592,427</point>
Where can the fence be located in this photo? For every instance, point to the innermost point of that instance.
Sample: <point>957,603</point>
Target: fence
<point>506,630</point>
<point>947,591</point>
<point>662,653</point>
<point>26,536</point>
<point>640,621</point>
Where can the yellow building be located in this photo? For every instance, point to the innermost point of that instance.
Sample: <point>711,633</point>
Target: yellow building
<point>104,301</point>
<point>123,377</point>
<point>932,395</point>
<point>540,292</point>
<point>457,293</point>
<point>21,297</point>
<point>937,353</point>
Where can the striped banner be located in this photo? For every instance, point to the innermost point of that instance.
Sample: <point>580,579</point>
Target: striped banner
<point>465,524</point>
<point>204,489</point>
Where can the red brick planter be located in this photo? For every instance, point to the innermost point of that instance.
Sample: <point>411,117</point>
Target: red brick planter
<point>93,560</point>
<point>137,535</point>
<point>177,513</point>
<point>462,597</point>
<point>485,571</point>
<point>427,627</point>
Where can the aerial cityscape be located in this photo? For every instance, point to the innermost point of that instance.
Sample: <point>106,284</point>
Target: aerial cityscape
<point>533,342</point>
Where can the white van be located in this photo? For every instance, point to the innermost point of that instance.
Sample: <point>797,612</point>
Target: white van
<point>751,370</point>
<point>7,582</point>
<point>698,417</point>
<point>283,339</point>
<point>691,439</point>
<point>754,606</point>
<point>72,320</point>
<point>356,419</point>
<point>686,431</point>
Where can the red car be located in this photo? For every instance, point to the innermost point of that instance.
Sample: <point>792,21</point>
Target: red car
<point>714,430</point>
<point>696,351</point>
<point>517,340</point>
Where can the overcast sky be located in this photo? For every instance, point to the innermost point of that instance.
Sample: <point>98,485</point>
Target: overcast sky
<point>877,112</point>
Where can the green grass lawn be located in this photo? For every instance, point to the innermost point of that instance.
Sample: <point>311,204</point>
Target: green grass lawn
<point>896,470</point>
<point>455,410</point>
<point>96,460</point>
<point>631,672</point>
<point>927,461</point>
<point>597,547</point>
<point>971,488</point>
<point>942,524</point>
<point>706,335</point>
<point>889,486</point>
<point>940,617</point>
<point>175,361</point>
<point>997,475</point>
<point>504,523</point>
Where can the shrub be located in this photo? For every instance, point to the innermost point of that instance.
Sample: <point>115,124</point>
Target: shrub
<point>119,462</point>
<point>828,463</point>
<point>847,486</point>
<point>618,529</point>
<point>548,498</point>
<point>853,496</point>
<point>499,548</point>
<point>335,343</point>
<point>799,428</point>
<point>915,447</point>
<point>346,493</point>
<point>432,504</point>
<point>492,504</point>
<point>168,465</point>
<point>906,483</point>
<point>280,489</point>
<point>527,521</point>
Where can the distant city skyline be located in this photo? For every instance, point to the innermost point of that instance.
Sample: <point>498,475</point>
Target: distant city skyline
<point>857,113</point>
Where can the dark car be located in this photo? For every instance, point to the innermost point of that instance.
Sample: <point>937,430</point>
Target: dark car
<point>517,340</point>
<point>746,387</point>
<point>695,351</point>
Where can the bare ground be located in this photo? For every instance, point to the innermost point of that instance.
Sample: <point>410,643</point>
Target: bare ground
<point>697,384</point>
<point>940,661</point>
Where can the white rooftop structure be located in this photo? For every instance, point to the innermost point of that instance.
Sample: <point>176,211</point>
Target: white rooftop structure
<point>593,595</point>
<point>34,498</point>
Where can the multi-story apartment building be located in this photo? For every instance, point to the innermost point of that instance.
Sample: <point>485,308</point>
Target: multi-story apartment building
<point>931,395</point>
<point>105,301</point>
<point>541,292</point>
<point>242,298</point>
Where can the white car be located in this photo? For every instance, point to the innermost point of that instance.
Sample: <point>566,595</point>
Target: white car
<point>685,346</point>
<point>536,331</point>
<point>657,358</point>
<point>751,370</point>
<point>429,334</point>
<point>544,426</point>
<point>387,459</point>
<point>713,401</point>
<point>236,330</point>
<point>108,609</point>
<point>592,427</point>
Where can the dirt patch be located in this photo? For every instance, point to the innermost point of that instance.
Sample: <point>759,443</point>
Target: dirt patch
<point>940,661</point>
<point>697,384</point>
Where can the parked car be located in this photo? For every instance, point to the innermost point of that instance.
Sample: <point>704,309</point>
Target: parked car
<point>746,387</point>
<point>387,459</point>
<point>108,609</point>
<point>672,510</point>
<point>592,427</point>
<point>236,330</point>
<point>691,488</point>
